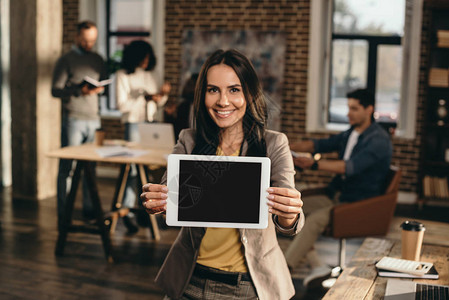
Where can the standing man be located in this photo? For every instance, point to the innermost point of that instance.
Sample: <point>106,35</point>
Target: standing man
<point>365,152</point>
<point>79,117</point>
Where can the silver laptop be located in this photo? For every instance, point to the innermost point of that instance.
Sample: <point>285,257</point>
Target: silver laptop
<point>409,290</point>
<point>157,135</point>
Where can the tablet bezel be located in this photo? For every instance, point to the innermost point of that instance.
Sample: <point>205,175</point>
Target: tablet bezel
<point>173,188</point>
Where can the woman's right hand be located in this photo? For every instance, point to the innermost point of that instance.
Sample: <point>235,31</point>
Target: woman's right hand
<point>154,198</point>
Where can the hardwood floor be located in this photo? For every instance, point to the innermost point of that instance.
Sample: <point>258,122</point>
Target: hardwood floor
<point>30,270</point>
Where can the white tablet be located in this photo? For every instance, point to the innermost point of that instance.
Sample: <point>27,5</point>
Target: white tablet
<point>217,191</point>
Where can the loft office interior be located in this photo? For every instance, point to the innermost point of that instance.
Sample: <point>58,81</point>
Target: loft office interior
<point>313,54</point>
<point>322,51</point>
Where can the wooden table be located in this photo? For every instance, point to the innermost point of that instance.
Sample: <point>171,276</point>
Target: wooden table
<point>84,156</point>
<point>359,279</point>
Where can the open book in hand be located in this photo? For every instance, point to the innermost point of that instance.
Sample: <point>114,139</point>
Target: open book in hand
<point>95,83</point>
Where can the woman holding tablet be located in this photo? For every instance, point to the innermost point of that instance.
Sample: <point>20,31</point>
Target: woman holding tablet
<point>221,263</point>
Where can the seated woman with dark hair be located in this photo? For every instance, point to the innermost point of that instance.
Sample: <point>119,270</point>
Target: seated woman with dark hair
<point>224,263</point>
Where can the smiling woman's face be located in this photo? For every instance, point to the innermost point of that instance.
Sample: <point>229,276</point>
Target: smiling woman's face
<point>225,101</point>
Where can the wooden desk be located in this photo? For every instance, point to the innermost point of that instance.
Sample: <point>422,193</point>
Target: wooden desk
<point>359,279</point>
<point>84,155</point>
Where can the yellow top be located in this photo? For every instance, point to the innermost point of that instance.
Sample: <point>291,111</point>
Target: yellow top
<point>221,248</point>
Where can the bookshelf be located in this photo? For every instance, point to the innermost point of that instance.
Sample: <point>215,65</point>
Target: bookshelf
<point>434,161</point>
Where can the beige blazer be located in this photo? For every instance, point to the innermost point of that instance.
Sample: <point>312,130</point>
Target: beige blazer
<point>264,257</point>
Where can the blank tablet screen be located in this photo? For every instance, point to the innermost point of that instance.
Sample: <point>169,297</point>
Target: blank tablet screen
<point>219,191</point>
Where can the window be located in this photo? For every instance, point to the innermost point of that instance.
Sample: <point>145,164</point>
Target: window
<point>366,52</point>
<point>363,44</point>
<point>121,29</point>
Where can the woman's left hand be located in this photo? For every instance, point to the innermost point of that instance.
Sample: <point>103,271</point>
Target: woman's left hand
<point>285,203</point>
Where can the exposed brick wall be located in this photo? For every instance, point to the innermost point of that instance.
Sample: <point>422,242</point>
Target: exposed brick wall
<point>70,19</point>
<point>290,16</point>
<point>113,127</point>
<point>293,18</point>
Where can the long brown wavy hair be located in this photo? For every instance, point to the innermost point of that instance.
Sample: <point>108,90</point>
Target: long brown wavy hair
<point>254,121</point>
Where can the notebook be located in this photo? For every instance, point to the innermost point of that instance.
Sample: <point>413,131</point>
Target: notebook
<point>432,274</point>
<point>157,135</point>
<point>409,290</point>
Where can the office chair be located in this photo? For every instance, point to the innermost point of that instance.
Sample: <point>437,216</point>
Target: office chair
<point>367,217</point>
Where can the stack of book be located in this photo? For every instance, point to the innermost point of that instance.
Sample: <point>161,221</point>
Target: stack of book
<point>439,77</point>
<point>432,274</point>
<point>397,267</point>
<point>435,187</point>
<point>443,38</point>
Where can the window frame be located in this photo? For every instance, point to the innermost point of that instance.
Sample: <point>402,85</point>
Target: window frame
<point>373,43</point>
<point>111,34</point>
<point>319,69</point>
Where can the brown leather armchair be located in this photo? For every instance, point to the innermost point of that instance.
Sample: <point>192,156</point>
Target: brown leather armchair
<point>366,217</point>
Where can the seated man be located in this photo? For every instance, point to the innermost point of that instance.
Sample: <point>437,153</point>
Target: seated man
<point>365,152</point>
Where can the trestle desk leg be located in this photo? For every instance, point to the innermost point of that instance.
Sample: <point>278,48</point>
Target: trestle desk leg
<point>64,224</point>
